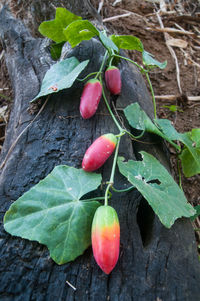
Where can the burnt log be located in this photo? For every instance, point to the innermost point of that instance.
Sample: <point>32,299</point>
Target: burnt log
<point>155,263</point>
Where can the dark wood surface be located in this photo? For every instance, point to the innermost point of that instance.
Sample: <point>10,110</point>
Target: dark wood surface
<point>155,263</point>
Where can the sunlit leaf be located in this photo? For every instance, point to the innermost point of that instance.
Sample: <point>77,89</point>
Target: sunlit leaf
<point>79,31</point>
<point>54,29</point>
<point>127,42</point>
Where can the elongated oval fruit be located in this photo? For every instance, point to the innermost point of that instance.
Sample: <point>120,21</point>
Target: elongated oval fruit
<point>106,238</point>
<point>98,152</point>
<point>90,98</point>
<point>113,80</point>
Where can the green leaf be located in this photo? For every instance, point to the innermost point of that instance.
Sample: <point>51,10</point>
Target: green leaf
<point>61,76</point>
<point>197,208</point>
<point>54,29</point>
<point>166,198</point>
<point>148,60</point>
<point>127,42</point>
<point>79,31</point>
<point>138,119</point>
<point>52,213</point>
<point>107,42</point>
<point>56,50</point>
<point>190,155</point>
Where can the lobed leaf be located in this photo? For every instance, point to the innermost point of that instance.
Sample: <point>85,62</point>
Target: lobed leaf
<point>79,31</point>
<point>54,29</point>
<point>52,213</point>
<point>61,76</point>
<point>127,42</point>
<point>163,195</point>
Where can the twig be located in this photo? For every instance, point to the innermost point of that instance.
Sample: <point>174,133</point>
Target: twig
<point>101,3</point>
<point>20,135</point>
<point>2,54</point>
<point>170,30</point>
<point>116,17</point>
<point>74,288</point>
<point>173,54</point>
<point>174,97</point>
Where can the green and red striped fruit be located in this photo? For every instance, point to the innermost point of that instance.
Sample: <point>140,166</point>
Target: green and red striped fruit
<point>106,238</point>
<point>90,98</point>
<point>113,80</point>
<point>99,152</point>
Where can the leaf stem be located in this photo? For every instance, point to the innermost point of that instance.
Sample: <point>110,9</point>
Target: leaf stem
<point>123,190</point>
<point>179,174</point>
<point>101,198</point>
<point>152,93</point>
<point>135,137</point>
<point>131,61</point>
<point>111,181</point>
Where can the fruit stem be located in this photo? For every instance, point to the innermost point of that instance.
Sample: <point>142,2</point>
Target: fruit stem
<point>148,79</point>
<point>109,109</point>
<point>90,74</point>
<point>111,181</point>
<point>102,65</point>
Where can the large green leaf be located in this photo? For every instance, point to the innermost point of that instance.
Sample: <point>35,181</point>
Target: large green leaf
<point>149,61</point>
<point>54,29</point>
<point>127,42</point>
<point>79,31</point>
<point>61,76</point>
<point>165,197</point>
<point>52,213</point>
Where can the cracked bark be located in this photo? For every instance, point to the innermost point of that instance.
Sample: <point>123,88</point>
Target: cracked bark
<point>166,268</point>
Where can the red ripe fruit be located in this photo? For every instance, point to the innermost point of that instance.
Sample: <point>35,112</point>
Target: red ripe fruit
<point>90,98</point>
<point>113,80</point>
<point>99,152</point>
<point>106,238</point>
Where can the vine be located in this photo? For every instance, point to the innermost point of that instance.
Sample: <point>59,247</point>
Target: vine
<point>63,220</point>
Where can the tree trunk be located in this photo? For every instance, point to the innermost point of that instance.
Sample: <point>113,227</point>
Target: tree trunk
<point>155,263</point>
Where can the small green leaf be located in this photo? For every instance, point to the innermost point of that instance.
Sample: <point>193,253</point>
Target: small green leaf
<point>54,29</point>
<point>165,197</point>
<point>56,50</point>
<point>79,31</point>
<point>107,42</point>
<point>127,42</point>
<point>52,213</point>
<point>190,155</point>
<point>148,60</point>
<point>197,208</point>
<point>61,76</point>
<point>138,119</point>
